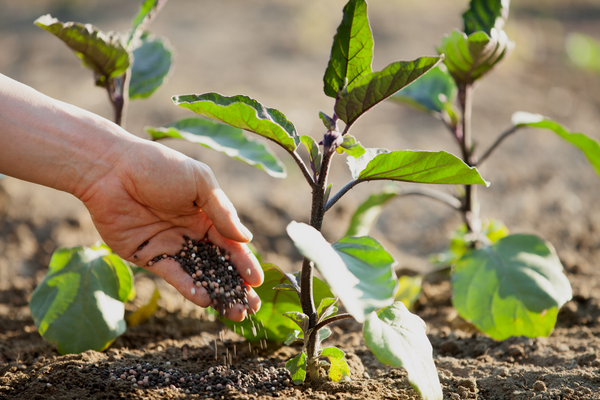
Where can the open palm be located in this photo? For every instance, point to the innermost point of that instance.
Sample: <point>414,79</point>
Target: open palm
<point>157,195</point>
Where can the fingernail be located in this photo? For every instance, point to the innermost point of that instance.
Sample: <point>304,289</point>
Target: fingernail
<point>246,232</point>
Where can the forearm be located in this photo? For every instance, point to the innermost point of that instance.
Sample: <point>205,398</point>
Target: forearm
<point>55,144</point>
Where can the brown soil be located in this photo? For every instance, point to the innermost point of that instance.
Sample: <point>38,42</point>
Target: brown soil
<point>276,52</point>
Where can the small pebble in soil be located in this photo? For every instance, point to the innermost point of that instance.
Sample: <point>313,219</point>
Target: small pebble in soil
<point>216,382</point>
<point>211,268</point>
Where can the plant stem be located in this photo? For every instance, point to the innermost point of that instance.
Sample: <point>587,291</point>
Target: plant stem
<point>470,205</point>
<point>303,168</point>
<point>332,319</point>
<point>503,136</point>
<point>306,292</point>
<point>118,94</point>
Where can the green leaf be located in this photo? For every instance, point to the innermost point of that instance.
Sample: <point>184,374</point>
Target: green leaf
<point>148,10</point>
<point>351,146</point>
<point>433,93</point>
<point>368,212</point>
<point>314,153</point>
<point>244,113</point>
<point>511,288</point>
<point>323,334</point>
<point>416,166</point>
<point>299,318</point>
<point>589,146</point>
<point>102,52</point>
<point>297,368</point>
<point>151,65</point>
<point>584,51</point>
<point>339,367</point>
<point>378,86</point>
<point>329,123</point>
<point>468,58</point>
<point>79,304</point>
<point>327,308</point>
<point>225,139</point>
<point>352,50</point>
<point>286,286</point>
<point>398,338</point>
<point>358,269</point>
<point>269,321</point>
<point>409,290</point>
<point>483,15</point>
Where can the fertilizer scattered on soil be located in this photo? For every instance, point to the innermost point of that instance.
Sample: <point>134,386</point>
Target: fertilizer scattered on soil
<point>217,381</point>
<point>212,269</point>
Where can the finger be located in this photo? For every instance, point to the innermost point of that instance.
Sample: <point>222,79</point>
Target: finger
<point>238,312</point>
<point>241,257</point>
<point>173,274</point>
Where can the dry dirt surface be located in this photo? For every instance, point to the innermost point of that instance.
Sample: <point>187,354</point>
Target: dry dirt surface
<point>276,51</point>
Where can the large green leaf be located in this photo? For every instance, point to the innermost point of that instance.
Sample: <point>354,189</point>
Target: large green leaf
<point>79,304</point>
<point>417,166</point>
<point>102,52</point>
<point>483,15</point>
<point>434,92</point>
<point>358,269</point>
<point>225,139</point>
<point>468,58</point>
<point>368,212</point>
<point>511,288</point>
<point>589,146</point>
<point>269,322</point>
<point>244,113</point>
<point>148,10</point>
<point>398,338</point>
<point>352,50</point>
<point>151,65</point>
<point>375,87</point>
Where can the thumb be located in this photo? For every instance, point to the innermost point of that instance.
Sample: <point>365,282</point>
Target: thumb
<point>217,206</point>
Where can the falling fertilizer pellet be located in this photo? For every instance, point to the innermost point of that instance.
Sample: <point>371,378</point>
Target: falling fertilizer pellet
<point>204,262</point>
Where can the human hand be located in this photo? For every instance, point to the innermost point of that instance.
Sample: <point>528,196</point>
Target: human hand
<point>155,194</point>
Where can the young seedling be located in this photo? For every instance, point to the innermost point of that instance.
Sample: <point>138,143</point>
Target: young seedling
<point>358,269</point>
<point>506,285</point>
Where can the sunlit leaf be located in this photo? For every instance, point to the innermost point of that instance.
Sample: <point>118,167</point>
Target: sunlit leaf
<point>511,288</point>
<point>416,166</point>
<point>358,269</point>
<point>102,52</point>
<point>352,50</point>
<point>368,212</point>
<point>269,321</point>
<point>339,367</point>
<point>351,146</point>
<point>327,308</point>
<point>225,139</point>
<point>398,338</point>
<point>297,368</point>
<point>244,113</point>
<point>409,290</point>
<point>79,304</point>
<point>375,87</point>
<point>468,58</point>
<point>589,146</point>
<point>483,15</point>
<point>299,318</point>
<point>144,312</point>
<point>434,92</point>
